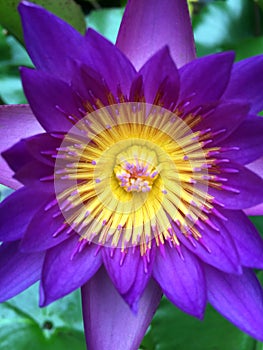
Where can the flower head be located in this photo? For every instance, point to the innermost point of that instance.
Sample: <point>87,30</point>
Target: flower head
<point>139,169</point>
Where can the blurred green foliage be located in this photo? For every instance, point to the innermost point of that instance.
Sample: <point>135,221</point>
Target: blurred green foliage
<point>218,25</point>
<point>25,326</point>
<point>66,9</point>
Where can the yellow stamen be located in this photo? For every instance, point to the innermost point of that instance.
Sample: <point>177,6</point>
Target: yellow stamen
<point>132,169</point>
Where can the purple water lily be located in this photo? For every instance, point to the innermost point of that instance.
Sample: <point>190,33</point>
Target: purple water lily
<point>135,165</point>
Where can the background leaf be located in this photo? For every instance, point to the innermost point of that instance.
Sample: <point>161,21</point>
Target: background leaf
<point>106,22</point>
<point>65,9</point>
<point>24,326</point>
<point>172,329</point>
<point>224,25</point>
<point>12,55</point>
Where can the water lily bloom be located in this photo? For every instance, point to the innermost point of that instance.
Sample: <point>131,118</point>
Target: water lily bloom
<point>135,165</point>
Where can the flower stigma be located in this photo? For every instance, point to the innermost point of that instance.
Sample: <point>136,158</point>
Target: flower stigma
<point>131,174</point>
<point>134,169</point>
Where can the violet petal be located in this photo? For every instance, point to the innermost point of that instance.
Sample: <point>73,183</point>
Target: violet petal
<point>46,229</point>
<point>156,72</point>
<point>225,119</point>
<point>247,240</point>
<point>256,167</point>
<point>201,83</point>
<point>129,273</point>
<point>241,190</point>
<point>51,40</point>
<point>18,271</point>
<point>214,248</point>
<point>181,279</point>
<point>256,210</point>
<point>248,138</point>
<point>63,271</point>
<point>109,322</point>
<point>110,62</point>
<point>149,25</point>
<point>51,100</point>
<point>237,298</point>
<point>246,82</point>
<point>21,120</point>
<point>18,209</point>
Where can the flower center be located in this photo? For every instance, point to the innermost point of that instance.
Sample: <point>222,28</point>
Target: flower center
<point>131,173</point>
<point>136,169</point>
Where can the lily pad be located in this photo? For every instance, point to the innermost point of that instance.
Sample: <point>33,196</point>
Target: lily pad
<point>172,329</point>
<point>25,326</point>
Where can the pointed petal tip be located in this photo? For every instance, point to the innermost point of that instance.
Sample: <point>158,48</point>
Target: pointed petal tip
<point>188,292</point>
<point>255,211</point>
<point>147,26</point>
<point>24,5</point>
<point>22,122</point>
<point>238,298</point>
<point>44,298</point>
<point>123,329</point>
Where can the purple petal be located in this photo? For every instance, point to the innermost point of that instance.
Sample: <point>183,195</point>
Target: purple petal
<point>158,72</point>
<point>53,43</point>
<point>247,240</point>
<point>89,84</point>
<point>248,138</point>
<point>181,279</point>
<point>52,100</point>
<point>246,82</point>
<point>137,90</point>
<point>204,80</point>
<point>46,229</point>
<point>149,25</point>
<point>109,322</point>
<point>224,120</point>
<point>256,167</point>
<point>18,271</point>
<point>19,119</point>
<point>38,144</point>
<point>29,160</point>
<point>17,155</point>
<point>237,298</point>
<point>18,209</point>
<point>110,62</point>
<point>31,149</point>
<point>50,40</point>
<point>33,173</point>
<point>66,268</point>
<point>241,190</point>
<point>256,210</point>
<point>129,273</point>
<point>214,248</point>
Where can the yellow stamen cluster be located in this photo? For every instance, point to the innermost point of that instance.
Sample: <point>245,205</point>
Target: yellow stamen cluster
<point>130,170</point>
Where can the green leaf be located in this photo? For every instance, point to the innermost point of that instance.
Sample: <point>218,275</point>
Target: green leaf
<point>11,90</point>
<point>249,47</point>
<point>258,222</point>
<point>172,329</point>
<point>25,326</point>
<point>260,3</point>
<point>65,9</point>
<point>12,55</point>
<point>221,24</point>
<point>106,22</point>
